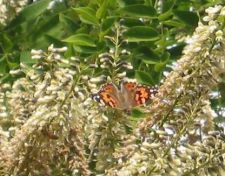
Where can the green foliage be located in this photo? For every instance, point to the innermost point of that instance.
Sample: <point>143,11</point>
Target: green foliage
<point>87,15</point>
<point>81,40</point>
<point>151,32</point>
<point>140,34</point>
<point>139,10</point>
<point>154,32</point>
<point>147,34</point>
<point>88,21</point>
<point>29,13</point>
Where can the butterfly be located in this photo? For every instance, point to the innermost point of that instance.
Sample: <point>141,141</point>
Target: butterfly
<point>128,96</point>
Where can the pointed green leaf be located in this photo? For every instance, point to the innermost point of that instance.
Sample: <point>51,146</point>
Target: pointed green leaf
<point>131,22</point>
<point>49,24</point>
<point>190,18</point>
<point>53,39</point>
<point>141,33</point>
<point>143,77</point>
<point>167,5</point>
<point>136,113</point>
<point>160,66</point>
<point>4,66</point>
<point>101,12</point>
<point>148,56</point>
<point>149,60</point>
<point>6,78</point>
<point>30,12</point>
<point>166,15</point>
<point>139,10</point>
<point>13,63</point>
<point>6,42</point>
<point>84,49</point>
<point>174,23</point>
<point>81,40</point>
<point>68,22</point>
<point>164,59</point>
<point>108,22</point>
<point>87,15</point>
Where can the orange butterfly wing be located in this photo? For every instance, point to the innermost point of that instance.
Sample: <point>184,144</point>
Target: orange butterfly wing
<point>140,94</point>
<point>130,95</point>
<point>107,95</point>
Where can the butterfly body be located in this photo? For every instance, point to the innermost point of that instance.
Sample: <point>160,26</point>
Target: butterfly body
<point>128,96</point>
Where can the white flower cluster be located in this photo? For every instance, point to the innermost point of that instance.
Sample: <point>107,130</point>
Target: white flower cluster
<point>179,135</point>
<point>45,103</point>
<point>9,9</point>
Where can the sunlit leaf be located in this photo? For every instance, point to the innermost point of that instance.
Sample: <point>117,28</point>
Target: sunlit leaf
<point>143,77</point>
<point>81,40</point>
<point>87,15</point>
<point>165,15</point>
<point>101,12</point>
<point>174,23</point>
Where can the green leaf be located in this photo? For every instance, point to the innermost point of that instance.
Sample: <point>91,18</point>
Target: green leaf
<point>189,18</point>
<point>167,5</point>
<point>174,23</point>
<point>176,50</point>
<point>87,15</point>
<point>160,66</point>
<point>30,12</point>
<point>5,78</point>
<point>136,113</point>
<point>101,12</point>
<point>165,15</point>
<point>164,58</point>
<point>4,66</point>
<point>143,77</point>
<point>84,49</point>
<point>147,55</point>
<point>139,10</point>
<point>141,33</point>
<point>68,22</point>
<point>108,22</point>
<point>12,64</point>
<point>50,23</point>
<point>131,22</point>
<point>53,39</point>
<point>81,40</point>
<point>6,42</point>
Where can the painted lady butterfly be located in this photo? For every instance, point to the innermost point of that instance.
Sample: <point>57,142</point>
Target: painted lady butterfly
<point>128,96</point>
